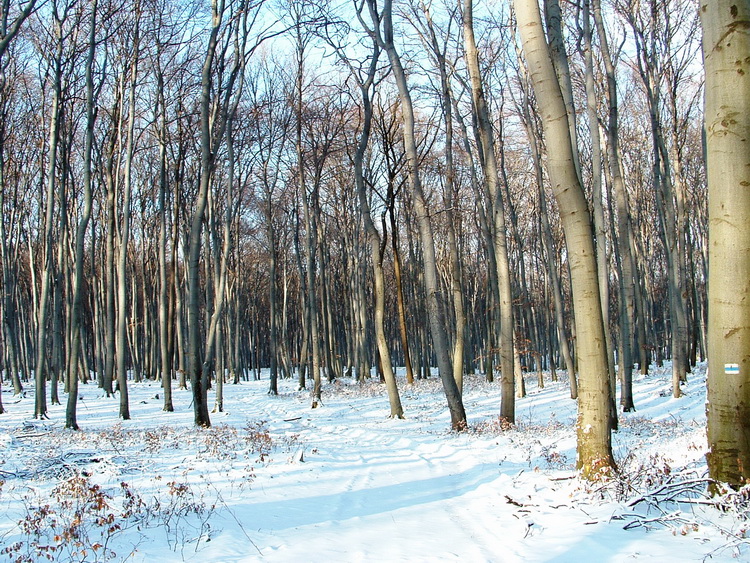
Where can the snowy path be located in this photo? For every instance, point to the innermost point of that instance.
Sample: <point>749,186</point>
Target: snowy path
<point>373,486</point>
<point>369,488</point>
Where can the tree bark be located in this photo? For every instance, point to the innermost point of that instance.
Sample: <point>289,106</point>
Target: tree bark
<point>198,379</point>
<point>600,228</point>
<point>77,298</point>
<point>726,44</point>
<point>627,279</point>
<point>594,451</point>
<point>377,243</point>
<point>164,317</point>
<point>122,257</point>
<point>434,296</point>
<point>40,394</point>
<point>500,242</point>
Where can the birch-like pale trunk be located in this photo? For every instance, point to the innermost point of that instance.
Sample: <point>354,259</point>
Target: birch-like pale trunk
<point>726,45</point>
<point>594,450</point>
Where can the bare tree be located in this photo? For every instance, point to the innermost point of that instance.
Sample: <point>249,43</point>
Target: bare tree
<point>489,162</point>
<point>198,379</point>
<point>88,197</point>
<point>366,84</point>
<point>122,256</point>
<point>11,19</point>
<point>382,31</point>
<point>626,277</point>
<point>593,425</point>
<point>60,29</point>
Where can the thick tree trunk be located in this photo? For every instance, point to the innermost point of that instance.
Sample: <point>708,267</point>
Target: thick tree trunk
<point>726,45</point>
<point>557,297</point>
<point>600,226</point>
<point>548,242</point>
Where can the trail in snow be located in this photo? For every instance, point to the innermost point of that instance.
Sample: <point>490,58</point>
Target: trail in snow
<point>368,488</point>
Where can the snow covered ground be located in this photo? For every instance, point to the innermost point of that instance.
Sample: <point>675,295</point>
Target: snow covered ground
<point>273,480</point>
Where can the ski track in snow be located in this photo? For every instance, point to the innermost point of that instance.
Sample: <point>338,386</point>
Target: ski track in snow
<point>369,488</point>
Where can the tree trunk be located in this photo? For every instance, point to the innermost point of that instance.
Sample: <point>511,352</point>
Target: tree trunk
<point>122,374</point>
<point>594,451</point>
<point>9,313</point>
<point>198,379</point>
<point>726,45</point>
<point>164,317</point>
<point>548,242</point>
<point>434,296</point>
<point>272,292</point>
<point>75,320</point>
<point>40,395</point>
<point>627,278</point>
<point>377,244</point>
<point>221,263</point>
<point>397,269</point>
<point>500,242</point>
<point>598,205</point>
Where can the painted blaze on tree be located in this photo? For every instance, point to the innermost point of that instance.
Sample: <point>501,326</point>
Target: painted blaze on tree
<point>726,52</point>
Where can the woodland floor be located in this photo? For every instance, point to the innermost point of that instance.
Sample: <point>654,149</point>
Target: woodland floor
<point>273,480</point>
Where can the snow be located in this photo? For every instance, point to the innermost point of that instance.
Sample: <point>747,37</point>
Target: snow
<point>274,480</point>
